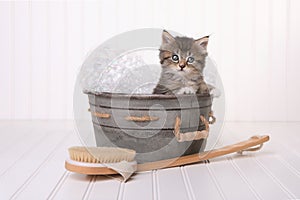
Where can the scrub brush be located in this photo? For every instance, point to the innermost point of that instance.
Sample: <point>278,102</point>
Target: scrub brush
<point>101,154</point>
<point>109,160</point>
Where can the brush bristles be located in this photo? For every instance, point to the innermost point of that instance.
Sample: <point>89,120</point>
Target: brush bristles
<point>101,154</point>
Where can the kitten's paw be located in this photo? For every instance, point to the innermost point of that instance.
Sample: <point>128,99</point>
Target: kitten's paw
<point>203,88</point>
<point>187,90</point>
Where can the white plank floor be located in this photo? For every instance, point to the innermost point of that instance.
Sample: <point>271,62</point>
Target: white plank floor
<point>33,153</point>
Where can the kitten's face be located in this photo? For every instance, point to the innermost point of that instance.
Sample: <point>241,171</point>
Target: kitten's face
<point>183,54</point>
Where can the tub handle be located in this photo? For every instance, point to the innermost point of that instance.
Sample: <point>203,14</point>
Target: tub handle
<point>190,136</point>
<point>100,115</point>
<point>145,118</point>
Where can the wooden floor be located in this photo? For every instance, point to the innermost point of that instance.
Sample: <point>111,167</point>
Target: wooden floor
<point>33,153</point>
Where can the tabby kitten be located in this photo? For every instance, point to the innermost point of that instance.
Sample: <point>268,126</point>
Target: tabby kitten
<point>182,60</point>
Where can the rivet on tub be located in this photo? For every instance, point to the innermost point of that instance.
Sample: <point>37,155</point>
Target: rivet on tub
<point>211,117</point>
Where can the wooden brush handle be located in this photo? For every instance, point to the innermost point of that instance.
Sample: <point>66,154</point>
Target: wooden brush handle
<point>194,158</point>
<point>238,147</point>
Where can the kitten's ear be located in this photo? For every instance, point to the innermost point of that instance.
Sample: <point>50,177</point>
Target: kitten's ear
<point>203,42</point>
<point>167,37</point>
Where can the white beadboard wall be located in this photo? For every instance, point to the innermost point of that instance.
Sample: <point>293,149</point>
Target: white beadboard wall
<point>256,44</point>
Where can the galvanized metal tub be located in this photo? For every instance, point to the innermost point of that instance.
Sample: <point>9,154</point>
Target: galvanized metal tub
<point>146,123</point>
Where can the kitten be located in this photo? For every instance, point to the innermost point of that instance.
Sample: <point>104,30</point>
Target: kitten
<point>182,60</point>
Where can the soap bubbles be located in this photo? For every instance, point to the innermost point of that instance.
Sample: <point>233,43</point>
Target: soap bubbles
<point>128,73</point>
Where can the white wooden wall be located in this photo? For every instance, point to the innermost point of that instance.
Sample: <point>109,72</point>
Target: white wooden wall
<point>256,44</point>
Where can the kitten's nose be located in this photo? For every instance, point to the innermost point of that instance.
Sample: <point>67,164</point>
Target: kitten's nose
<point>181,65</point>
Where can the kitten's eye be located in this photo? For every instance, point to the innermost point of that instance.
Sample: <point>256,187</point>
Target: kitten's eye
<point>175,58</point>
<point>190,59</point>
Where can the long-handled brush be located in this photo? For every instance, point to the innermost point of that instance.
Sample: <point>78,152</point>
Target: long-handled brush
<point>93,161</point>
